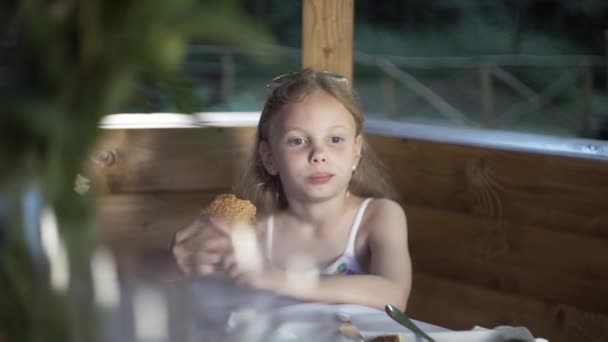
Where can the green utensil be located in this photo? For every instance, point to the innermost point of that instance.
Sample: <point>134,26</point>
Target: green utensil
<point>402,319</point>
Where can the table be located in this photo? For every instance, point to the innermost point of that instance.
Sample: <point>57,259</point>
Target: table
<point>213,309</point>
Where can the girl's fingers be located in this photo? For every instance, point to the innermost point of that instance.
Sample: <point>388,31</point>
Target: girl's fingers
<point>197,245</point>
<point>189,231</point>
<point>240,278</point>
<point>220,225</point>
<point>228,261</point>
<point>218,244</point>
<point>233,271</point>
<point>201,263</point>
<point>203,269</point>
<point>206,258</point>
<point>208,244</point>
<point>196,270</point>
<point>204,227</point>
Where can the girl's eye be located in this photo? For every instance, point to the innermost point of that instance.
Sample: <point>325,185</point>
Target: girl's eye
<point>336,140</point>
<point>296,141</point>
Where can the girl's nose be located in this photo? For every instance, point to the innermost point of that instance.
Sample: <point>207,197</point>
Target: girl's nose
<point>318,159</point>
<point>318,156</point>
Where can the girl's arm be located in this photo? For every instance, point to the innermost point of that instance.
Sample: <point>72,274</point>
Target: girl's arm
<point>390,278</point>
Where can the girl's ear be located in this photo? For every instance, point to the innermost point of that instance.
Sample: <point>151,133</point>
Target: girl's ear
<point>267,160</point>
<point>358,149</point>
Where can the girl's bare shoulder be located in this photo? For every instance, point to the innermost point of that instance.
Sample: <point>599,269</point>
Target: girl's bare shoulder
<point>385,214</point>
<point>380,207</point>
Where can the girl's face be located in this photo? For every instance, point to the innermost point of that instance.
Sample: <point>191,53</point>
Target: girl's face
<point>313,147</point>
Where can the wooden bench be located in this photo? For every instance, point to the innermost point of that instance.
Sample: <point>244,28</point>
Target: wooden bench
<point>499,234</point>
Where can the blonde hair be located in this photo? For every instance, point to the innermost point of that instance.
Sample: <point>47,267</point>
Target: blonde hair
<point>264,190</point>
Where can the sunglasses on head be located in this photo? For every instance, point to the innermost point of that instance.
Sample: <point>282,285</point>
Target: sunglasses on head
<point>288,77</point>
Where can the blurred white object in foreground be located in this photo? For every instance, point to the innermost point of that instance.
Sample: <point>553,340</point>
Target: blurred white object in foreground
<point>54,248</point>
<point>150,315</point>
<point>247,252</point>
<point>105,279</point>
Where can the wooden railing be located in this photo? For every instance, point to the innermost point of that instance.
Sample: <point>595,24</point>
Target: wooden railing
<point>491,69</point>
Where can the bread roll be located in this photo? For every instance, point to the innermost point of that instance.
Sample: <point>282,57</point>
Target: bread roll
<point>232,209</point>
<point>240,216</point>
<point>387,338</point>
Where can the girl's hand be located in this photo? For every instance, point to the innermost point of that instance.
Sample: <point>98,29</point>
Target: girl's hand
<point>276,280</point>
<point>273,280</point>
<point>267,279</point>
<point>200,247</point>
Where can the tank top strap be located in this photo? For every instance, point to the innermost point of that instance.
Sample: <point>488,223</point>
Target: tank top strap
<point>269,231</point>
<point>350,247</point>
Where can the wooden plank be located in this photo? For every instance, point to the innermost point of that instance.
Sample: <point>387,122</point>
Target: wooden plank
<point>498,255</point>
<point>555,192</point>
<point>140,160</point>
<point>148,220</point>
<point>139,228</point>
<point>461,306</point>
<point>137,264</point>
<point>327,35</point>
<point>556,267</point>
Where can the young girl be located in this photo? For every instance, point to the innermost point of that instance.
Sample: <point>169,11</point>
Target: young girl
<point>320,193</point>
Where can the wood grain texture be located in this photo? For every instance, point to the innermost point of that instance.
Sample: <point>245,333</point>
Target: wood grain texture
<point>327,35</point>
<point>461,306</point>
<point>497,237</point>
<point>149,218</point>
<point>139,229</point>
<point>552,266</point>
<point>550,191</point>
<point>143,160</point>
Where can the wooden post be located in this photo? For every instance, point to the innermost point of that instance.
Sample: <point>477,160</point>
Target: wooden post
<point>327,35</point>
<point>487,95</point>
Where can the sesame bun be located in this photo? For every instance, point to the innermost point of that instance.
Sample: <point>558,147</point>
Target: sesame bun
<point>231,208</point>
<point>387,338</point>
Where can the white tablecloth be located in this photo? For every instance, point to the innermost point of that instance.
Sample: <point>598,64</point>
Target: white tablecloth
<point>213,309</point>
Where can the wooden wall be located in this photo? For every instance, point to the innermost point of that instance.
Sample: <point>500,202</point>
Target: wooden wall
<point>497,237</point>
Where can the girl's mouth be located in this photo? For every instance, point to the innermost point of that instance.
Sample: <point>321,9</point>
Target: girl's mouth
<point>320,178</point>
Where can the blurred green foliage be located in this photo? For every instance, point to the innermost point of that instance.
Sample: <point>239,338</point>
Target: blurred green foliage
<point>63,65</point>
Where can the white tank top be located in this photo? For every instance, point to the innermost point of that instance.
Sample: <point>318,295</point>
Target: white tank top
<point>347,262</point>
